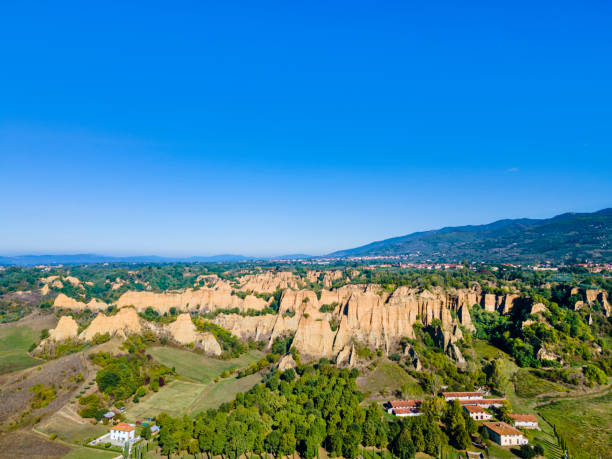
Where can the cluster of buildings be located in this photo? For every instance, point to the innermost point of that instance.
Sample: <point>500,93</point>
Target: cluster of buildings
<point>476,406</point>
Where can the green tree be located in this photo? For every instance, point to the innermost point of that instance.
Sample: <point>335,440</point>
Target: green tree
<point>146,432</point>
<point>167,442</point>
<point>403,446</point>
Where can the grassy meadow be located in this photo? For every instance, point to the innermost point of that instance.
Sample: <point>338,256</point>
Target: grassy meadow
<point>527,385</point>
<point>224,391</point>
<point>584,423</point>
<point>15,342</point>
<point>199,367</point>
<point>90,453</point>
<point>175,398</point>
<point>195,388</point>
<point>386,379</point>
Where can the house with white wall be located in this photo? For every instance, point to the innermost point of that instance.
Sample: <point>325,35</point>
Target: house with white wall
<point>122,433</point>
<point>527,421</point>
<point>504,434</point>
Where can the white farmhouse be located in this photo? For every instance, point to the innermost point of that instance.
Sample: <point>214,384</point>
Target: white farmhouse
<point>504,434</point>
<point>478,413</point>
<point>462,395</point>
<point>527,421</point>
<point>122,432</point>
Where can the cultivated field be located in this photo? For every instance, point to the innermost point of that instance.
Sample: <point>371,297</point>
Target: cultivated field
<point>176,399</point>
<point>15,341</point>
<point>386,379</point>
<point>90,453</point>
<point>195,390</point>
<point>527,385</point>
<point>584,423</point>
<point>199,367</point>
<point>224,391</point>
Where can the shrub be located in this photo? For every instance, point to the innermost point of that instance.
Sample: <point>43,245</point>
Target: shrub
<point>594,375</point>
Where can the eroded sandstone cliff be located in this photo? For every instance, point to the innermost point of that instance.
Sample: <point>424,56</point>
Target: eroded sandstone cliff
<point>203,299</point>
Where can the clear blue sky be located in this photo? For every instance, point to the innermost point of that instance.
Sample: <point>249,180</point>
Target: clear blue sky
<point>195,128</point>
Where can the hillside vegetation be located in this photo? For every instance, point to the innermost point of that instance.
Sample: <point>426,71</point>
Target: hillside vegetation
<point>562,238</point>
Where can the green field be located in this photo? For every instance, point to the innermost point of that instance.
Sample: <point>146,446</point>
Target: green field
<point>199,367</point>
<point>224,391</point>
<point>527,385</point>
<point>585,423</point>
<point>486,350</point>
<point>195,390</point>
<point>71,428</point>
<point>176,399</point>
<point>387,378</point>
<point>15,341</point>
<point>90,453</point>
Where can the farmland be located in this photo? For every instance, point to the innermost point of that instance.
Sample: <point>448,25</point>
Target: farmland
<point>89,453</point>
<point>584,423</point>
<point>386,379</point>
<point>224,391</point>
<point>15,341</point>
<point>175,398</point>
<point>197,367</point>
<point>195,389</point>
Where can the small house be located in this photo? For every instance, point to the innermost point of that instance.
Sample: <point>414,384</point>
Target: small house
<point>527,421</point>
<point>402,404</point>
<point>504,434</point>
<point>122,432</point>
<point>154,430</point>
<point>484,402</point>
<point>478,413</point>
<point>404,407</point>
<point>109,415</point>
<point>462,395</point>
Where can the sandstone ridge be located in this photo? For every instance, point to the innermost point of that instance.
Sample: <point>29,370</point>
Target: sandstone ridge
<point>125,322</point>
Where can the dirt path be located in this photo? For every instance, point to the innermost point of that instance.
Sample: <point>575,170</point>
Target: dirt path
<point>205,392</point>
<point>563,396</point>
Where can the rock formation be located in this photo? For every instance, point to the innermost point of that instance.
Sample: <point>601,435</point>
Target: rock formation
<point>63,301</point>
<point>204,299</point>
<point>124,322</point>
<point>412,358</point>
<point>183,331</point>
<point>537,308</point>
<point>268,282</point>
<point>127,321</point>
<point>365,314</point>
<point>545,354</point>
<point>66,328</point>
<point>602,297</point>
<point>286,362</point>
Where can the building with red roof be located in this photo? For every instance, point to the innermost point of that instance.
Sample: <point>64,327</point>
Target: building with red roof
<point>527,421</point>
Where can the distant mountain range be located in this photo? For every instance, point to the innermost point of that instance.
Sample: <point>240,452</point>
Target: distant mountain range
<point>568,237</point>
<point>89,258</point>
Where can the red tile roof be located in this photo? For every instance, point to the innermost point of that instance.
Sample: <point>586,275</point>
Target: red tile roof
<point>474,409</point>
<point>405,403</point>
<point>484,401</point>
<point>501,428</point>
<point>524,417</point>
<point>123,427</point>
<point>462,394</point>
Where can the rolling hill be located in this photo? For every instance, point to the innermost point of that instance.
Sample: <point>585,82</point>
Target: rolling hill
<point>567,237</point>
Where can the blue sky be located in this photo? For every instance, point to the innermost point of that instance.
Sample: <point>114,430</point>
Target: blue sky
<point>196,128</point>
